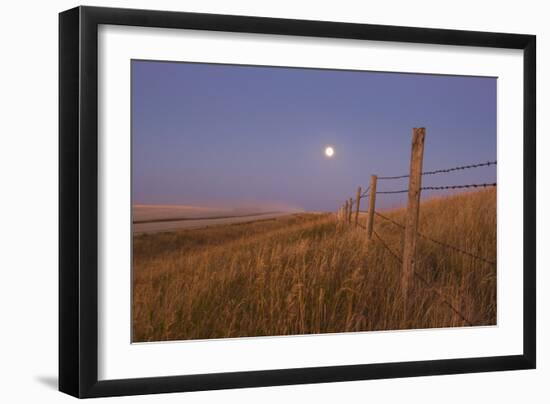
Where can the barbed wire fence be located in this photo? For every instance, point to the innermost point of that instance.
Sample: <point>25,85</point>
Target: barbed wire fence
<point>444,170</point>
<point>441,243</point>
<point>410,228</point>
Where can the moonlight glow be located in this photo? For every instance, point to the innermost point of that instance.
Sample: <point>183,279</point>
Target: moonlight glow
<point>329,151</point>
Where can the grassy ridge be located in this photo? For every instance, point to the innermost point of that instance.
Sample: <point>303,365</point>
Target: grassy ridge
<point>306,274</point>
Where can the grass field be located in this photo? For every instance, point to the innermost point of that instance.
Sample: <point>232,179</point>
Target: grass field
<point>305,273</point>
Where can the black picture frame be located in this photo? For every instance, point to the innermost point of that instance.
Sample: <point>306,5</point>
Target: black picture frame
<point>78,201</point>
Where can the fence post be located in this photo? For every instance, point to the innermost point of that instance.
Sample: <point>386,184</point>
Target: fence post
<point>372,205</point>
<point>357,203</point>
<point>345,212</point>
<point>350,210</point>
<point>413,205</point>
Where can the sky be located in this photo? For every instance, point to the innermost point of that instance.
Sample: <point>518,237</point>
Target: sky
<point>230,135</point>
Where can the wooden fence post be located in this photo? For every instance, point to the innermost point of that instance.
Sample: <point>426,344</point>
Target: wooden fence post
<point>350,210</point>
<point>357,203</point>
<point>413,205</point>
<point>345,217</point>
<point>372,206</point>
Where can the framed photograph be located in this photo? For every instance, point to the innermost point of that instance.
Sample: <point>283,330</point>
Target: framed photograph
<point>251,201</point>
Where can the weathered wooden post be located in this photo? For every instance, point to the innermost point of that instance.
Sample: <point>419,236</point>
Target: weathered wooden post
<point>413,205</point>
<point>345,212</point>
<point>350,210</point>
<point>372,206</point>
<point>357,203</point>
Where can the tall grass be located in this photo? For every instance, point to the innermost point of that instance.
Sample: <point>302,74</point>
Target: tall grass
<point>307,274</point>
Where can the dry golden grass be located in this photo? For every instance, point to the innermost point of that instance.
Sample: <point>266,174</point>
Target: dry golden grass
<point>305,274</point>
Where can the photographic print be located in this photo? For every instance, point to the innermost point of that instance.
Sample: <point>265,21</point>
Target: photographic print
<point>272,201</point>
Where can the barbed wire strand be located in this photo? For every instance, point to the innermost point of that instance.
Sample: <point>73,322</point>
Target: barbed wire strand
<point>401,191</point>
<point>425,282</point>
<point>466,167</point>
<point>458,250</point>
<point>364,194</point>
<point>484,185</point>
<point>441,243</point>
<point>443,299</point>
<point>386,247</point>
<point>389,219</point>
<point>443,170</point>
<point>461,186</point>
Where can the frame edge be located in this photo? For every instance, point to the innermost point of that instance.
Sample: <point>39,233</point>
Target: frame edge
<point>529,201</point>
<point>69,81</point>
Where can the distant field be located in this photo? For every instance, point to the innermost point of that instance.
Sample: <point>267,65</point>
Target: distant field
<point>305,273</point>
<point>162,218</point>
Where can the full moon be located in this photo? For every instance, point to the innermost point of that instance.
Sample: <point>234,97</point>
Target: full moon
<point>329,151</point>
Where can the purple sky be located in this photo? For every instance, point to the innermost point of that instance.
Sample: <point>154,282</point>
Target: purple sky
<point>227,134</point>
